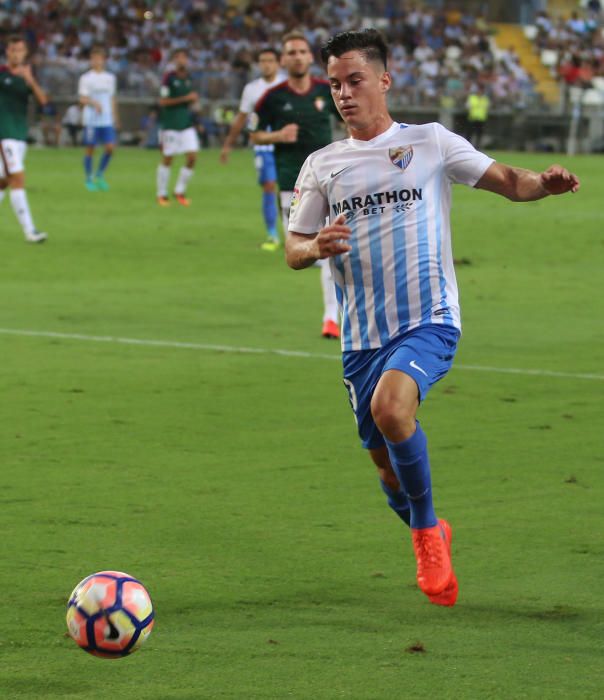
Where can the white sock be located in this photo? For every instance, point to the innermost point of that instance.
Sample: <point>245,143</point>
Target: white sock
<point>183,178</point>
<point>330,301</point>
<point>18,199</point>
<point>163,176</point>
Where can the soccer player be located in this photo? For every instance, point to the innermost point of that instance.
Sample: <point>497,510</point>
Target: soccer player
<point>178,135</point>
<point>96,90</point>
<point>17,83</point>
<point>264,157</point>
<point>387,193</point>
<point>295,116</point>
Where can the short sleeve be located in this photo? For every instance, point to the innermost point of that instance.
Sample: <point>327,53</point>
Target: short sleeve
<point>83,88</point>
<point>246,105</point>
<point>309,206</point>
<point>463,164</point>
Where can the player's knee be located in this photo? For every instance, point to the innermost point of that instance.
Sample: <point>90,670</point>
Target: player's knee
<point>16,181</point>
<point>269,187</point>
<point>395,419</point>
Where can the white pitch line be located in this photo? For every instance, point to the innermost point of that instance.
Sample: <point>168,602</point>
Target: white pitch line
<point>117,340</point>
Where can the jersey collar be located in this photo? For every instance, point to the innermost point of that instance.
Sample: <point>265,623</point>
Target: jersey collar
<point>380,138</point>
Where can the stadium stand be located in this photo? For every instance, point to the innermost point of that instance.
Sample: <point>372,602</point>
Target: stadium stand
<point>435,54</point>
<point>439,55</point>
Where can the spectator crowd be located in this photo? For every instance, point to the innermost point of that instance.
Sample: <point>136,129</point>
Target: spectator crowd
<point>573,48</point>
<point>437,56</point>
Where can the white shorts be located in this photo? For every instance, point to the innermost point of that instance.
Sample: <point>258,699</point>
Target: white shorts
<point>12,157</point>
<point>174,142</point>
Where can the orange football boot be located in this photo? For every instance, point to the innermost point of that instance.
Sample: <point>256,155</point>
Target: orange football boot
<point>163,201</point>
<point>330,329</point>
<point>449,595</point>
<point>433,561</point>
<point>181,199</point>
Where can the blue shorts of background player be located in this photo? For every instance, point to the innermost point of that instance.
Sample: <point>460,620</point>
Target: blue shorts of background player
<point>265,166</point>
<point>425,354</point>
<point>98,135</point>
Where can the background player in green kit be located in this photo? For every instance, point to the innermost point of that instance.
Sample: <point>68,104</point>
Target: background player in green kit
<point>298,113</point>
<point>178,134</point>
<point>16,85</point>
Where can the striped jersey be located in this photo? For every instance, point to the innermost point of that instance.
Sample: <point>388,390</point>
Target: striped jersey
<point>99,86</point>
<point>395,191</point>
<point>250,96</point>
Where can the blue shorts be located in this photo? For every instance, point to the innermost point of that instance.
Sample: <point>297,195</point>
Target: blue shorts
<point>425,354</point>
<point>95,135</point>
<point>265,166</point>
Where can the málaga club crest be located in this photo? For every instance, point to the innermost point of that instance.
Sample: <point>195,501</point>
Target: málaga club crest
<point>401,156</point>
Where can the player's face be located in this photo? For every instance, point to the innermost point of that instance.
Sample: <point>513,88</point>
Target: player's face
<point>16,53</point>
<point>358,88</point>
<point>181,61</point>
<point>296,58</point>
<point>269,66</point>
<point>97,61</point>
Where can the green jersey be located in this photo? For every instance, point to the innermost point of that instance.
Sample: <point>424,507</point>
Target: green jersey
<point>176,117</point>
<point>14,95</point>
<point>311,111</point>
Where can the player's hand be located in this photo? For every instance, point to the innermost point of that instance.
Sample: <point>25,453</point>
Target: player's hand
<point>24,71</point>
<point>331,240</point>
<point>97,106</point>
<point>289,133</point>
<point>558,180</point>
<point>192,97</point>
<point>224,155</point>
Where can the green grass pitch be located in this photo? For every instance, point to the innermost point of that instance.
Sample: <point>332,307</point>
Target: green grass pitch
<point>232,483</point>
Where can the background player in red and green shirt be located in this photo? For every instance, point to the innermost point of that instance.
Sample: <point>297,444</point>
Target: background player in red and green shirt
<point>178,135</point>
<point>296,116</point>
<point>16,85</point>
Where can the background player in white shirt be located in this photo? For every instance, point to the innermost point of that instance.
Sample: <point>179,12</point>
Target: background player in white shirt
<point>264,158</point>
<point>96,90</point>
<point>387,193</point>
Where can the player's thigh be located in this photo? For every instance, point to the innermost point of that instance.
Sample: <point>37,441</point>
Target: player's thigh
<point>89,136</point>
<point>107,137</point>
<point>265,167</point>
<point>362,371</point>
<point>189,141</point>
<point>425,354</point>
<point>170,142</point>
<point>12,153</point>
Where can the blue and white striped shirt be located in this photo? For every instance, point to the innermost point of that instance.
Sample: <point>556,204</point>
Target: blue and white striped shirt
<point>396,193</point>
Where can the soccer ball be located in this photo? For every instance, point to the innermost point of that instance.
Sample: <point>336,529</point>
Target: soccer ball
<point>109,614</point>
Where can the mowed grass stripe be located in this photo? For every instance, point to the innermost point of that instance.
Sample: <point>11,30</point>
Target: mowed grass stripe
<point>148,342</point>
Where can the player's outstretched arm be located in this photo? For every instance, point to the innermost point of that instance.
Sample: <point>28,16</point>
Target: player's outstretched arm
<point>302,250</point>
<point>520,185</point>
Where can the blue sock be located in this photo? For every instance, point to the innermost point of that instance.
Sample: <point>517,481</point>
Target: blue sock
<point>88,166</point>
<point>410,462</point>
<point>398,502</point>
<point>103,163</point>
<point>269,211</point>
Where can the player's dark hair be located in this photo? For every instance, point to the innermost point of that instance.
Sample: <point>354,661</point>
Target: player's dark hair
<point>98,49</point>
<point>15,39</point>
<point>268,49</point>
<point>368,42</point>
<point>177,51</point>
<point>295,35</point>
